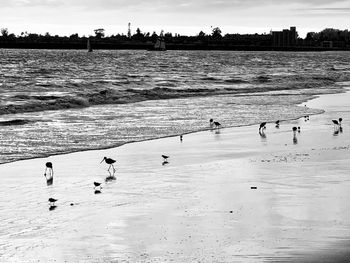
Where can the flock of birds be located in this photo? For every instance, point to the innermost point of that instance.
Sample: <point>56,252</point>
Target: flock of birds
<point>98,186</point>
<point>337,128</point>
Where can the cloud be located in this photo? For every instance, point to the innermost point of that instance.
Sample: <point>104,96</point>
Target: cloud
<point>169,6</point>
<point>31,3</point>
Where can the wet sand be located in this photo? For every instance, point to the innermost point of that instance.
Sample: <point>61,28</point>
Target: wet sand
<point>199,207</point>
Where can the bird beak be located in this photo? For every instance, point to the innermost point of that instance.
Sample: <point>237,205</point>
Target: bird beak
<point>102,160</point>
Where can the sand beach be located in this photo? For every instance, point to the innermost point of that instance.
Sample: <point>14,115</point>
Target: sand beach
<point>226,195</point>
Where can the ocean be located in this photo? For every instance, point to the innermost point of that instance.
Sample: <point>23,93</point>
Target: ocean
<point>60,101</point>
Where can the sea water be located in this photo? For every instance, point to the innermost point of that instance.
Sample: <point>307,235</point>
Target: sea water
<point>59,101</point>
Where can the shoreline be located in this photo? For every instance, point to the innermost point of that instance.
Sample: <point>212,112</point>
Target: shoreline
<point>300,104</point>
<point>199,207</point>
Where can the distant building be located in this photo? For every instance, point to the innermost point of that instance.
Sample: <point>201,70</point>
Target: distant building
<point>285,38</point>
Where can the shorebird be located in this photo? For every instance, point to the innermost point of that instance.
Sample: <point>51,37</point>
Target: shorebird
<point>262,125</point>
<point>181,137</point>
<point>277,123</point>
<point>49,166</point>
<point>96,184</point>
<point>217,124</point>
<point>52,201</point>
<point>335,122</point>
<point>211,123</point>
<point>165,157</point>
<point>299,129</point>
<point>109,161</point>
<point>294,129</point>
<point>340,120</point>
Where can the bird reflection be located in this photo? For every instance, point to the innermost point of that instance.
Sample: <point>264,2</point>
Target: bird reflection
<point>49,181</point>
<point>262,134</point>
<point>52,207</point>
<point>97,192</point>
<point>336,132</point>
<point>110,178</point>
<point>341,129</point>
<point>295,140</point>
<point>165,162</point>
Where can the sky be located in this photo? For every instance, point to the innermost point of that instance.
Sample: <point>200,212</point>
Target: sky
<point>185,17</point>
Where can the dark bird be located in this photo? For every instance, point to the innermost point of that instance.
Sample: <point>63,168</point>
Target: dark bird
<point>96,184</point>
<point>217,124</point>
<point>50,168</point>
<point>165,158</point>
<point>277,124</point>
<point>211,123</point>
<point>52,201</point>
<point>262,125</point>
<point>295,140</point>
<point>298,129</point>
<point>340,120</point>
<point>294,129</point>
<point>180,137</point>
<point>109,161</point>
<point>335,122</point>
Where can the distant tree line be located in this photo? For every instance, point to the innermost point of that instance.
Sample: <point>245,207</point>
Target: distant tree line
<point>144,40</point>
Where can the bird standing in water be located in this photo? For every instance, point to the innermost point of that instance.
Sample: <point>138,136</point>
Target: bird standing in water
<point>217,124</point>
<point>109,161</point>
<point>96,184</point>
<point>49,178</point>
<point>211,123</point>
<point>336,123</point>
<point>262,125</point>
<point>52,201</point>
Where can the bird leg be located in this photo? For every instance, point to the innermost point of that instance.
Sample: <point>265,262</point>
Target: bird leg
<point>109,169</point>
<point>113,169</point>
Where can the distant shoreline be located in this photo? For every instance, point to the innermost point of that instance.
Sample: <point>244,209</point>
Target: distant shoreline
<point>146,46</point>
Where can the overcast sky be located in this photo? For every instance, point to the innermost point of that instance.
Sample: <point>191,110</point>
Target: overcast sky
<point>187,17</point>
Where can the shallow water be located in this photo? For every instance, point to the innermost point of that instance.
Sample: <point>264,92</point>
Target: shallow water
<point>71,100</point>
